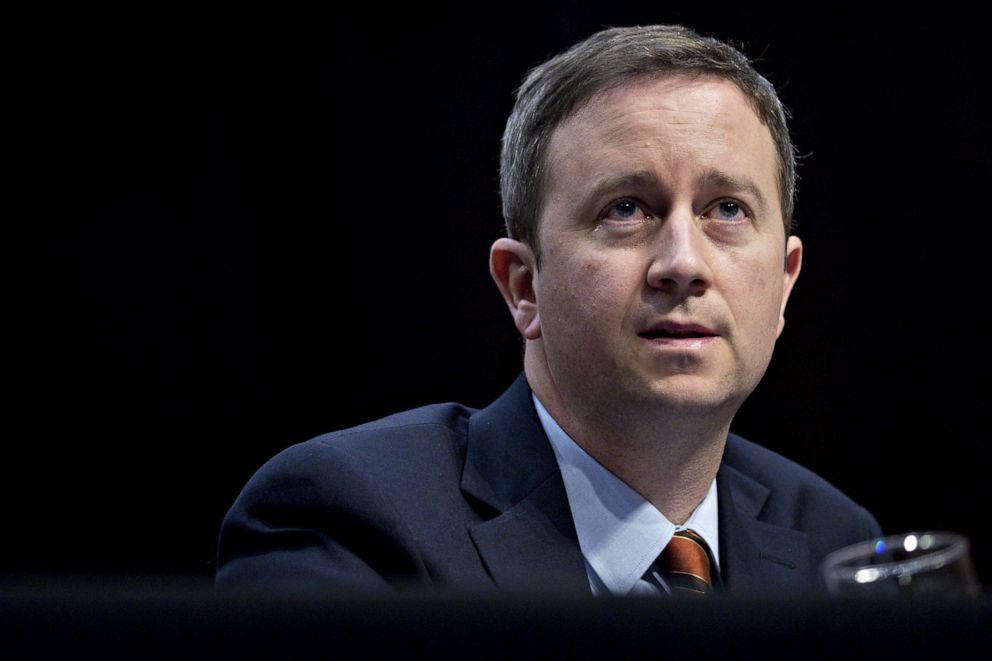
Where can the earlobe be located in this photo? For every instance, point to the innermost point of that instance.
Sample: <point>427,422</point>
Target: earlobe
<point>512,265</point>
<point>793,264</point>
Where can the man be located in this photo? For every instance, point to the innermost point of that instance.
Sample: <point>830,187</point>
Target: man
<point>648,182</point>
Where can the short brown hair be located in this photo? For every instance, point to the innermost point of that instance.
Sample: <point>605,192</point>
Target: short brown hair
<point>552,92</point>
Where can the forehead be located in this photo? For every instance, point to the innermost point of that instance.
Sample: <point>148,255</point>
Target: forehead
<point>681,127</point>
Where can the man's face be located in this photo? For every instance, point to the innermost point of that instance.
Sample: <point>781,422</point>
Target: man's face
<point>664,270</point>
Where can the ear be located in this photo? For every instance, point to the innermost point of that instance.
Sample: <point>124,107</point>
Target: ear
<point>793,264</point>
<point>513,267</point>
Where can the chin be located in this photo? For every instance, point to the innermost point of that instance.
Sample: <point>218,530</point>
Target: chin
<point>693,394</point>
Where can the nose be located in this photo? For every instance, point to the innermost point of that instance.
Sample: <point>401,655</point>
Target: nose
<point>679,263</point>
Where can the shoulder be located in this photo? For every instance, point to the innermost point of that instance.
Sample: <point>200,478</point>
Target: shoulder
<point>796,495</point>
<point>432,435</point>
<point>771,468</point>
<point>345,508</point>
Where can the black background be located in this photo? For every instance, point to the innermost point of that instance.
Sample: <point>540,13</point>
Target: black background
<point>233,232</point>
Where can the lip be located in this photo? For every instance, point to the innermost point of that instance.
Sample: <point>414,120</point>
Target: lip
<point>686,335</point>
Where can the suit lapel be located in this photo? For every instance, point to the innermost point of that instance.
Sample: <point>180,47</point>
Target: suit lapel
<point>531,542</point>
<point>757,557</point>
<point>532,546</point>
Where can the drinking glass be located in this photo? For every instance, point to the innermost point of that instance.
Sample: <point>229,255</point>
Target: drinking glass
<point>927,564</point>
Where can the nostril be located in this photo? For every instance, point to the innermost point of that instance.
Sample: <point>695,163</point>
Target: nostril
<point>675,286</point>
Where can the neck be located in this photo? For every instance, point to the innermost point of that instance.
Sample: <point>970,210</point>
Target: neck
<point>669,456</point>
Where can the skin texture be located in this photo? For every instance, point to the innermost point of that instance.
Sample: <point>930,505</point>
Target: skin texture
<point>662,207</point>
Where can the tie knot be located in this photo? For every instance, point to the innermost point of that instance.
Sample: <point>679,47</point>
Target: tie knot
<point>686,563</point>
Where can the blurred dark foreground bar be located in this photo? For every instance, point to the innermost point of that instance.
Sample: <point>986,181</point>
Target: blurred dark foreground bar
<point>176,619</point>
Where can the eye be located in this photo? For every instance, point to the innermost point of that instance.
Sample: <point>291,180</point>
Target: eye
<point>728,210</point>
<point>625,210</point>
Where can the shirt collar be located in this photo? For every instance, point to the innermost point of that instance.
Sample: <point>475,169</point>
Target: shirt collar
<point>620,534</point>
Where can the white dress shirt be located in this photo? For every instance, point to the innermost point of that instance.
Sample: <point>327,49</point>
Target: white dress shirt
<point>620,533</point>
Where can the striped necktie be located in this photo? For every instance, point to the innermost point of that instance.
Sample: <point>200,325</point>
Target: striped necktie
<point>686,564</point>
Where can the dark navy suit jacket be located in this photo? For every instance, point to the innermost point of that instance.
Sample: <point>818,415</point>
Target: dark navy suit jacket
<point>450,497</point>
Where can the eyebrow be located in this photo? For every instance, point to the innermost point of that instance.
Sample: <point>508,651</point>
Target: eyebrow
<point>638,179</point>
<point>720,179</point>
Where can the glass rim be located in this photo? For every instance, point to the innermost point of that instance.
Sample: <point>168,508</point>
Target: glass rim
<point>955,546</point>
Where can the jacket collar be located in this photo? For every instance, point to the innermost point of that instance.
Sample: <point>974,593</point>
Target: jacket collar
<point>530,544</point>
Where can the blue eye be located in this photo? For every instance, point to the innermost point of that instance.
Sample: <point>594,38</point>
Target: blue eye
<point>729,210</point>
<point>625,210</point>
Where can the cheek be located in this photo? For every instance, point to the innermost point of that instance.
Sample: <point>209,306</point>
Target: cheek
<point>585,295</point>
<point>757,297</point>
